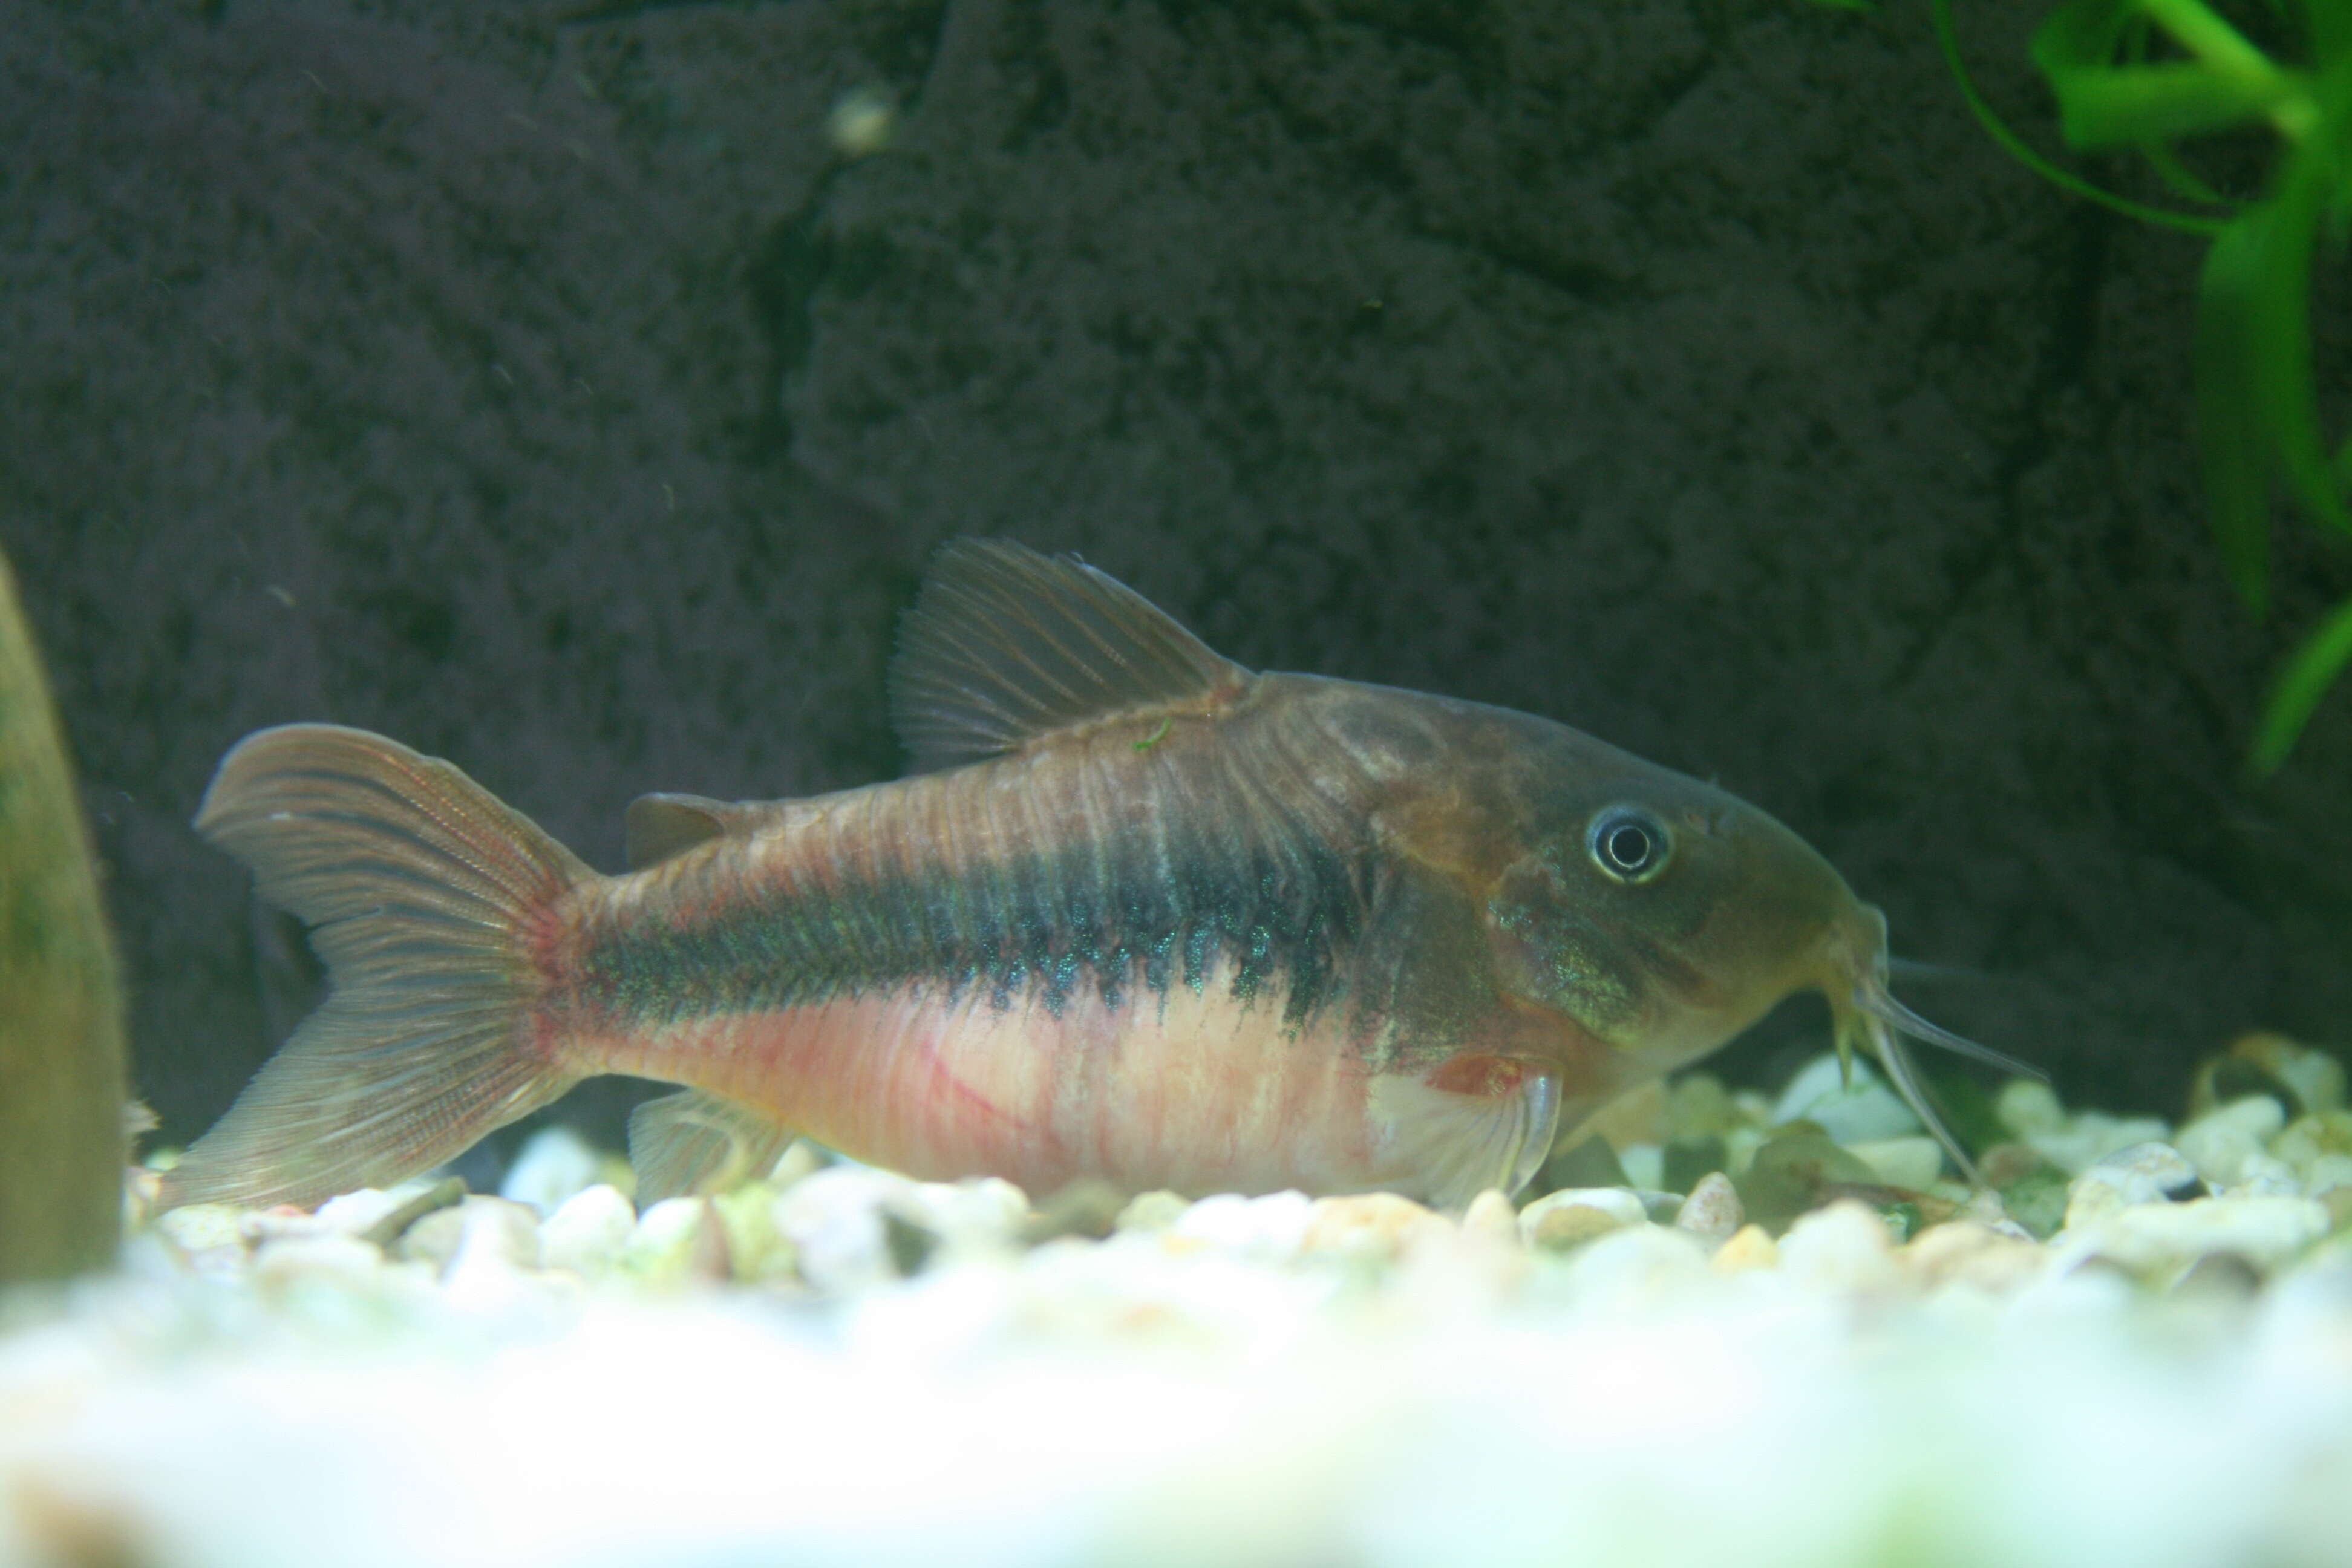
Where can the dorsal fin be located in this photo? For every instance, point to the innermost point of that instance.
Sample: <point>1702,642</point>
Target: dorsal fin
<point>661,826</point>
<point>1005,644</point>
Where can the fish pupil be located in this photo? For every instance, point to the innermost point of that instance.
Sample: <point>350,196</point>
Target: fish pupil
<point>1629,844</point>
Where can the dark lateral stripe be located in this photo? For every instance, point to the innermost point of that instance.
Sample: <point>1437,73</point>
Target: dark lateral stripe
<point>1284,906</point>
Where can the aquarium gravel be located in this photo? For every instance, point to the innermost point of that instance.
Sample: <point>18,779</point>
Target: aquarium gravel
<point>2137,1351</point>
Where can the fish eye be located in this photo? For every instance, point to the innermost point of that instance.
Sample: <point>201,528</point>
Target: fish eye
<point>1628,844</point>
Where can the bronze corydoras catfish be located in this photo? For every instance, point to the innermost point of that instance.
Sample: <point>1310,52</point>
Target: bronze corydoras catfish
<point>1142,915</point>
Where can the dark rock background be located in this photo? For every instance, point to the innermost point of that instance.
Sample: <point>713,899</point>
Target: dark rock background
<point>538,383</point>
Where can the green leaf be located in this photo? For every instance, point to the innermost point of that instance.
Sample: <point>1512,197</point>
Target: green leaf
<point>2306,679</point>
<point>2282,338</point>
<point>1948,40</point>
<point>2214,42</point>
<point>2256,406</point>
<point>2114,107</point>
<point>2331,110</point>
<point>2095,54</point>
<point>2107,102</point>
<point>2231,434</point>
<point>2329,26</point>
<point>2179,177</point>
<point>2081,36</point>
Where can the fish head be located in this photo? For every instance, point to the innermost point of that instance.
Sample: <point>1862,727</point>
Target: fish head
<point>1661,916</point>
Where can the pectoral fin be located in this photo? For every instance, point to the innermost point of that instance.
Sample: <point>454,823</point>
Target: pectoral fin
<point>1475,1123</point>
<point>696,1141</point>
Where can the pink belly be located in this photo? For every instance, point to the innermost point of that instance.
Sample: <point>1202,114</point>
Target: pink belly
<point>1198,1094</point>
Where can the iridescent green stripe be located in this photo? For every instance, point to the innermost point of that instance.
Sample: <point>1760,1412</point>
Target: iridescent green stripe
<point>1049,924</point>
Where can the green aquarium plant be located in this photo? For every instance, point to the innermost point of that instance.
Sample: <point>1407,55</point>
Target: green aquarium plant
<point>2148,76</point>
<point>61,1066</point>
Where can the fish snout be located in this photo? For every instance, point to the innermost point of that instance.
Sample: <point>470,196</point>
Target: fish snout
<point>1855,956</point>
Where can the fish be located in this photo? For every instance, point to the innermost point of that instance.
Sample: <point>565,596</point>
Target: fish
<point>63,1143</point>
<point>1137,915</point>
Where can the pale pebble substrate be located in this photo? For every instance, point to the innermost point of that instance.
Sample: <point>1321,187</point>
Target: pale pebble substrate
<point>894,1374</point>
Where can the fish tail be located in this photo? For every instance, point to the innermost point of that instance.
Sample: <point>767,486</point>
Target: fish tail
<point>427,898</point>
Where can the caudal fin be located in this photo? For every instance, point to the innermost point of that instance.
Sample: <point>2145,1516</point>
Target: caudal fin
<point>422,892</point>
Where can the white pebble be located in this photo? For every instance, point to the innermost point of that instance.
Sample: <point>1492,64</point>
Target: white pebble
<point>2221,1141</point>
<point>329,1258</point>
<point>1751,1249</point>
<point>2026,1107</point>
<point>2310,1138</point>
<point>834,1220</point>
<point>1645,1164</point>
<point>1632,1269</point>
<point>977,1214</point>
<point>1269,1229</point>
<point>1713,1209</point>
<point>2262,1177</point>
<point>432,1240</point>
<point>1152,1212</point>
<point>280,1220</point>
<point>1739,1146</point>
<point>1587,1211</point>
<point>1860,1112</point>
<point>589,1233</point>
<point>674,1241</point>
<point>2154,1237</point>
<point>1967,1253</point>
<point>1913,1162</point>
<point>554,1164</point>
<point>2093,1136</point>
<point>1980,1205</point>
<point>383,1220</point>
<point>1491,1216</point>
<point>349,1213</point>
<point>2143,1174</point>
<point>488,1285</point>
<point>496,1230</point>
<point>1845,1246</point>
<point>1380,1226</point>
<point>756,1250</point>
<point>204,1228</point>
<point>800,1160</point>
<point>2326,1170</point>
<point>2317,1078</point>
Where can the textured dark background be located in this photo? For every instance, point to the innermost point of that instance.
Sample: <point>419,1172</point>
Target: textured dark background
<point>538,384</point>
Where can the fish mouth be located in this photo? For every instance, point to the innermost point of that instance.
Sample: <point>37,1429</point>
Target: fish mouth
<point>1865,1010</point>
